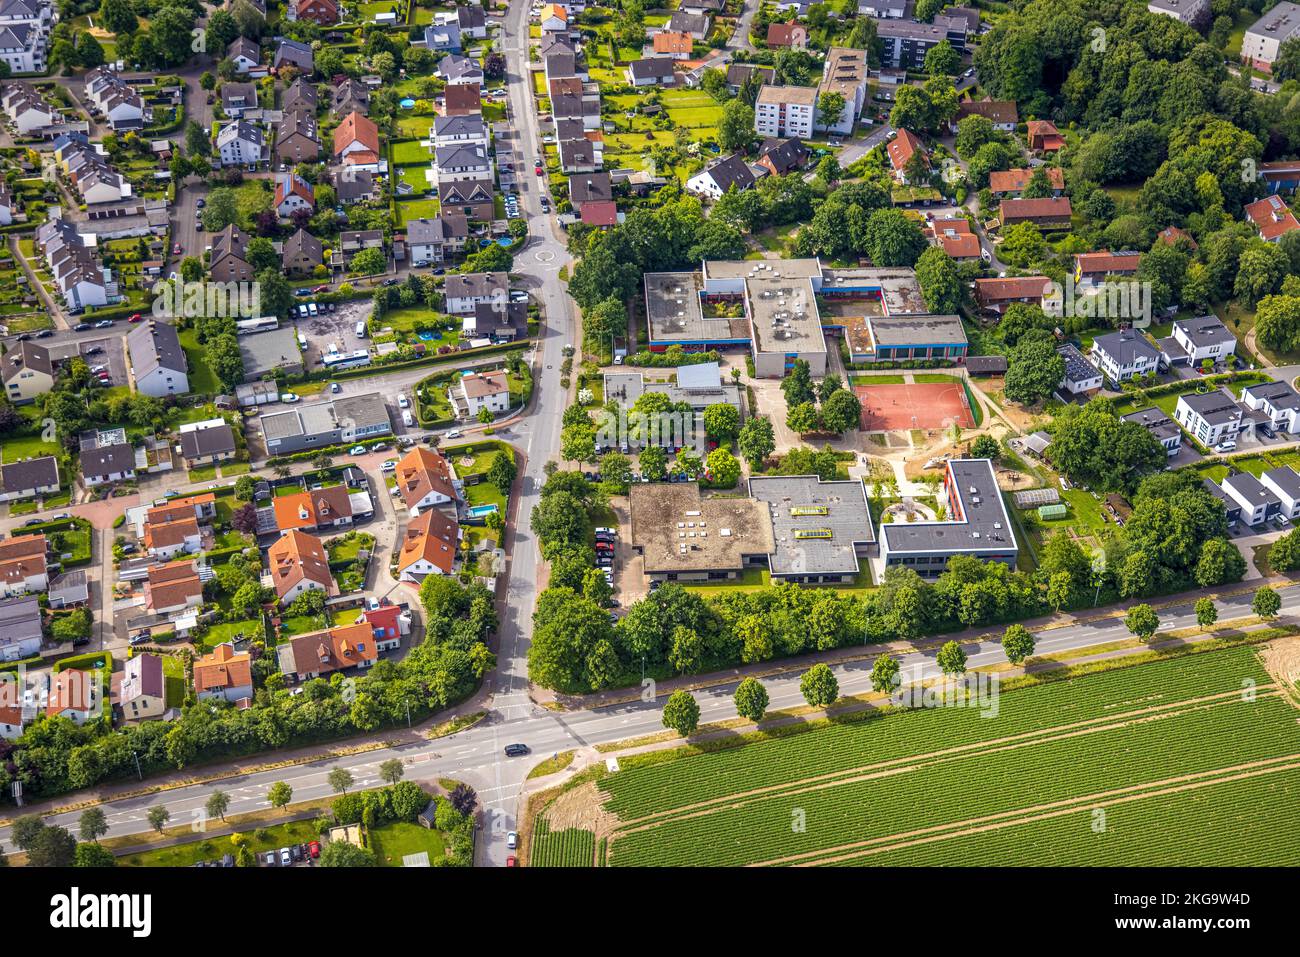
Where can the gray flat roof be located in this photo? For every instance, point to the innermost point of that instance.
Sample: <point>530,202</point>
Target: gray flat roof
<point>268,351</point>
<point>917,330</point>
<point>675,313</point>
<point>981,523</point>
<point>846,517</point>
<point>1156,422</point>
<point>1205,330</point>
<point>785,316</point>
<point>1286,479</point>
<point>1215,407</point>
<point>900,293</point>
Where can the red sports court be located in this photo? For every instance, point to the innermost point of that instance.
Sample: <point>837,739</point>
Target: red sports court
<point>920,405</point>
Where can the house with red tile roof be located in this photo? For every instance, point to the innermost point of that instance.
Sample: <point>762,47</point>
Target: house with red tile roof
<point>388,624</point>
<point>1044,137</point>
<point>356,141</point>
<point>429,547</point>
<point>299,563</point>
<point>1272,217</point>
<point>901,149</point>
<point>76,694</point>
<point>955,237</point>
<point>1013,181</point>
<point>324,12</point>
<point>22,565</point>
<point>996,294</point>
<point>324,652</point>
<point>224,674</point>
<point>321,508</point>
<point>173,588</point>
<point>425,479</point>
<point>1095,267</point>
<point>789,36</point>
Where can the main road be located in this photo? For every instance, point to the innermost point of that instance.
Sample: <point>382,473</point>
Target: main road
<point>475,755</point>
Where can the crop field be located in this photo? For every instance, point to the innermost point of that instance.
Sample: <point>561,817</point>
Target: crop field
<point>572,847</point>
<point>1189,761</point>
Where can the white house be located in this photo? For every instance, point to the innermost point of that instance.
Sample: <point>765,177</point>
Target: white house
<point>26,109</point>
<point>429,546</point>
<point>1212,417</point>
<point>1081,376</point>
<point>1284,482</point>
<point>158,364</point>
<point>1195,340</point>
<point>715,181</point>
<point>481,390</point>
<point>1258,503</point>
<point>1122,355</point>
<point>463,291</point>
<point>28,478</point>
<point>1278,400</point>
<point>240,143</point>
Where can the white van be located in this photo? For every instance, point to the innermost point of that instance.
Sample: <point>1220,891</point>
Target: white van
<point>361,330</point>
<point>408,420</point>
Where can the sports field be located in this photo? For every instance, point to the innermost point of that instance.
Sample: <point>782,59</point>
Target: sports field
<point>1191,761</point>
<point>918,405</point>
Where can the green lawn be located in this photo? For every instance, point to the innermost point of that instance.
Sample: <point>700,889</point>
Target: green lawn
<point>205,473</point>
<point>27,447</point>
<point>392,842</point>
<point>203,381</point>
<point>185,855</point>
<point>301,625</point>
<point>174,681</point>
<point>229,631</point>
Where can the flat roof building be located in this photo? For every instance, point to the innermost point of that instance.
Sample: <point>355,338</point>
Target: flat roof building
<point>977,525</point>
<point>820,530</point>
<point>683,536</point>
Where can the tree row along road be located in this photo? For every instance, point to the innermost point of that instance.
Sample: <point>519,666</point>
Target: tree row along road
<point>475,755</point>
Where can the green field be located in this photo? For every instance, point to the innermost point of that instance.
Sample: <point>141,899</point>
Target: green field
<point>1175,761</point>
<point>392,842</point>
<point>572,847</point>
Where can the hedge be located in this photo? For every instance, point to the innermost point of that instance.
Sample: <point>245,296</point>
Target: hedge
<point>84,662</point>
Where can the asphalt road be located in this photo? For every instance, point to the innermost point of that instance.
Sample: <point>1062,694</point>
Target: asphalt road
<point>475,755</point>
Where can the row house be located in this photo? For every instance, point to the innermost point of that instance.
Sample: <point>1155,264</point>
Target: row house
<point>81,280</point>
<point>119,102</point>
<point>29,112</point>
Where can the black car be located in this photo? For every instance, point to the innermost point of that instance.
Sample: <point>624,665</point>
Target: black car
<point>24,337</point>
<point>296,852</point>
<point>94,350</point>
<point>516,750</point>
<point>44,333</point>
<point>82,327</point>
<point>391,282</point>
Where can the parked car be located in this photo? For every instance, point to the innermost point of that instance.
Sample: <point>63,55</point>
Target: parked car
<point>389,466</point>
<point>136,318</point>
<point>402,401</point>
<point>82,327</point>
<point>288,397</point>
<point>313,848</point>
<point>296,852</point>
<point>335,387</point>
<point>104,324</point>
<point>516,750</point>
<point>286,858</point>
<point>357,450</point>
<point>44,333</point>
<point>511,861</point>
<point>323,287</point>
<point>201,203</point>
<point>269,859</point>
<point>176,249</point>
<point>512,840</point>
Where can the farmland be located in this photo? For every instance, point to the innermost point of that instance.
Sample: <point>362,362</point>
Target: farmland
<point>1152,752</point>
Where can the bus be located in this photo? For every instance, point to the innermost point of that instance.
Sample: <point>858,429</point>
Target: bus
<point>345,360</point>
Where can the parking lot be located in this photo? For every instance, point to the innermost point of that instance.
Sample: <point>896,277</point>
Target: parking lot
<point>338,328</point>
<point>109,352</point>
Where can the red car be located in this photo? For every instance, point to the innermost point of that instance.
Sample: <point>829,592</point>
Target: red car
<point>324,287</point>
<point>313,848</point>
<point>538,170</point>
<point>511,861</point>
<point>136,318</point>
<point>176,249</point>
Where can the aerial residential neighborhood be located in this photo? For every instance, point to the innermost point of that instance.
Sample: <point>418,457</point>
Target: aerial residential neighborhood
<point>593,434</point>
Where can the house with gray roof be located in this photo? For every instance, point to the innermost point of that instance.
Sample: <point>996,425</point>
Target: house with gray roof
<point>455,68</point>
<point>437,239</point>
<point>20,628</point>
<point>28,478</point>
<point>1212,417</point>
<point>1125,354</point>
<point>294,54</point>
<point>158,364</point>
<point>1162,428</point>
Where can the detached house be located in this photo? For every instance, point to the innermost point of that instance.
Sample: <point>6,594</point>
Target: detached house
<point>470,197</point>
<point>142,693</point>
<point>298,563</point>
<point>356,141</point>
<point>787,36</point>
<point>1049,213</point>
<point>292,193</point>
<point>171,530</point>
<point>651,71</point>
<point>158,365</point>
<point>425,479</point>
<point>436,240</point>
<point>1012,182</point>
<point>29,478</point>
<point>480,390</point>
<point>224,674</point>
<point>245,54</point>
<point>295,54</point>
<point>302,253</point>
<point>240,144</point>
<point>296,138</point>
<point>1272,217</point>
<point>27,372</point>
<point>206,443</point>
<point>1196,340</point>
<point>1123,355</point>
<point>315,510</point>
<point>238,98</point>
<point>324,652</point>
<point>75,694</point>
<point>901,149</point>
<point>1044,137</point>
<point>429,546</point>
<point>173,588</point>
<point>228,257</point>
<point>22,565</point>
<point>463,290</point>
<point>714,181</point>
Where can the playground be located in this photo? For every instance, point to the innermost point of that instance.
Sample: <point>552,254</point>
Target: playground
<point>931,406</point>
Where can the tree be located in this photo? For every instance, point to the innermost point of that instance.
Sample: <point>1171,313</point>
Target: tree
<point>681,713</point>
<point>1284,556</point>
<point>830,109</point>
<point>1034,370</point>
<point>217,804</point>
<point>884,674</point>
<point>93,824</point>
<point>797,386</point>
<point>1022,245</point>
<point>1017,643</point>
<point>819,686</point>
<point>93,855</point>
<point>757,440</point>
<point>803,418</point>
<point>226,360</point>
<point>158,816</point>
<point>368,262</point>
<point>751,699</point>
<point>1277,322</point>
<point>244,519</point>
<point>502,471</point>
<point>118,16</point>
<point>951,659</point>
<point>1266,603</point>
<point>279,795</point>
<point>722,422</point>
<point>1220,562</point>
<point>842,412</point>
<point>940,281</point>
<point>723,469</point>
<point>942,60</point>
<point>736,127</point>
<point>221,209</point>
<point>245,488</point>
<point>340,779</point>
<point>653,461</point>
<point>985,447</point>
<point>1142,622</point>
<point>1206,613</point>
<point>344,854</point>
<point>52,847</point>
